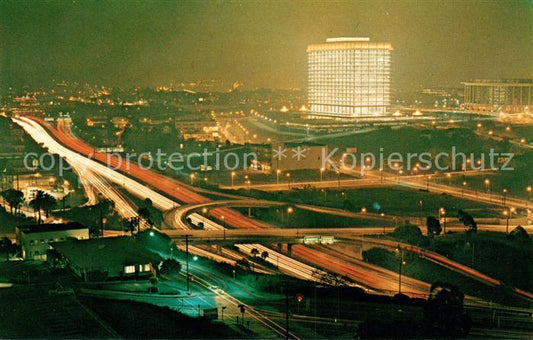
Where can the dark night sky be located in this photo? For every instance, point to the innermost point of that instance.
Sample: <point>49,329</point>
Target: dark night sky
<point>261,43</point>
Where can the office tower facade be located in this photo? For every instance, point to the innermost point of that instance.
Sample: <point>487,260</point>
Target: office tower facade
<point>349,77</point>
<point>504,96</point>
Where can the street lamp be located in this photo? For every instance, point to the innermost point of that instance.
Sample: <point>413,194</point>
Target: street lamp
<point>507,215</point>
<point>289,179</point>
<point>363,210</point>
<point>402,263</point>
<point>487,187</point>
<point>321,173</point>
<point>232,177</point>
<point>504,198</point>
<point>289,212</point>
<point>338,178</point>
<point>277,175</point>
<point>528,190</point>
<point>204,211</point>
<point>463,189</point>
<point>191,176</point>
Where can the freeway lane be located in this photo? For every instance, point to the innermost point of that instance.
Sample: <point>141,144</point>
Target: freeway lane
<point>41,136</point>
<point>170,187</point>
<point>288,264</point>
<point>442,260</point>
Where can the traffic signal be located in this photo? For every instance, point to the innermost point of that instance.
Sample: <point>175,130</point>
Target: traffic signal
<point>299,298</point>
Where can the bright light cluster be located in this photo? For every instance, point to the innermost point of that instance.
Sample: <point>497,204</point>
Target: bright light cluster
<point>349,79</point>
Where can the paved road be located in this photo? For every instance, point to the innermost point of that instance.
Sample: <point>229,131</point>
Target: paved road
<point>172,188</point>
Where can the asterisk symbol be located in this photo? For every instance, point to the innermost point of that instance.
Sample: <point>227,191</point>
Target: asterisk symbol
<point>279,153</point>
<point>299,153</point>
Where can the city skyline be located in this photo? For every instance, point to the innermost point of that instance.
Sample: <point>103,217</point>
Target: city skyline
<point>260,44</point>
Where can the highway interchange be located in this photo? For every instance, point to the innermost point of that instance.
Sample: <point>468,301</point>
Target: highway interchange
<point>168,194</point>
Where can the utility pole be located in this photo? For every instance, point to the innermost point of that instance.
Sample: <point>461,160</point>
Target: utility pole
<point>287,310</point>
<point>400,272</point>
<point>187,261</point>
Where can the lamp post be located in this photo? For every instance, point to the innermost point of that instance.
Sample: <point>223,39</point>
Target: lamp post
<point>507,214</point>
<point>463,189</point>
<point>504,198</point>
<point>528,190</point>
<point>204,212</point>
<point>487,187</point>
<point>232,178</point>
<point>321,173</point>
<point>381,174</point>
<point>338,178</point>
<point>187,262</point>
<point>402,262</point>
<point>289,179</point>
<point>278,171</point>
<point>289,212</point>
<point>191,177</point>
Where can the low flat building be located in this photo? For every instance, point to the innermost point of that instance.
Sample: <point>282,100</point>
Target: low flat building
<point>35,240</point>
<point>106,258</point>
<point>509,96</point>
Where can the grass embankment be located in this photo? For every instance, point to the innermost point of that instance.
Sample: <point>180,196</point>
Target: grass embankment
<point>497,255</point>
<point>390,201</point>
<point>138,320</point>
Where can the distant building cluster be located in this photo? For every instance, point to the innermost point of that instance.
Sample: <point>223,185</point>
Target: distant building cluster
<point>349,77</point>
<point>511,96</point>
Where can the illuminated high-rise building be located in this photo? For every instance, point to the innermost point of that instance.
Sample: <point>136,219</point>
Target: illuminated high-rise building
<point>349,77</point>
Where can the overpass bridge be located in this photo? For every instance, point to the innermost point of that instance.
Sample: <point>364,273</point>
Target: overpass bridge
<point>278,235</point>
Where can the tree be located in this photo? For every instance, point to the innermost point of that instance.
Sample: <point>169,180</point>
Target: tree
<point>14,198</point>
<point>243,263</point>
<point>48,203</point>
<point>254,252</point>
<point>170,267</point>
<point>410,234</point>
<point>519,234</point>
<point>144,213</point>
<point>433,226</point>
<point>264,255</point>
<point>7,247</point>
<point>444,313</point>
<point>467,220</point>
<point>37,204</point>
<point>133,224</point>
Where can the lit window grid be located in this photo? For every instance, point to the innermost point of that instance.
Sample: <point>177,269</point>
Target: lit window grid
<point>349,82</point>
